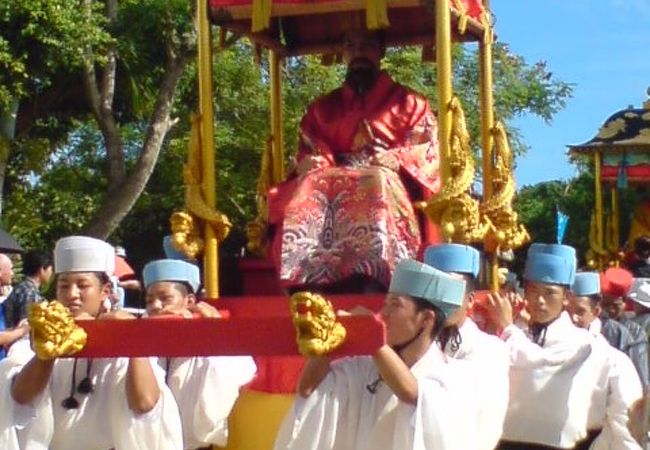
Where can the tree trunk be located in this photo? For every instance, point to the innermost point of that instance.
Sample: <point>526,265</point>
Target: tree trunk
<point>7,133</point>
<point>119,201</point>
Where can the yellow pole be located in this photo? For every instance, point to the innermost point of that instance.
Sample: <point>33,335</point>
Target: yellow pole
<point>206,112</point>
<point>487,123</point>
<point>616,243</point>
<point>443,65</point>
<point>275,65</point>
<point>487,107</point>
<point>598,198</point>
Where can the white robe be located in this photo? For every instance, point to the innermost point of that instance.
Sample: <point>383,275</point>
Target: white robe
<point>551,387</point>
<point>491,386</point>
<point>343,414</point>
<point>102,421</point>
<point>610,405</point>
<point>205,389</point>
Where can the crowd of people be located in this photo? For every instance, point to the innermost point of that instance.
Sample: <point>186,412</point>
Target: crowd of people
<point>547,376</point>
<point>111,403</point>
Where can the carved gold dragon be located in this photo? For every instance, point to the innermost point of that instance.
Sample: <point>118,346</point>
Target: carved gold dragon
<point>54,331</point>
<point>256,229</point>
<point>187,225</point>
<point>453,208</point>
<point>506,233</point>
<point>601,255</point>
<point>317,330</point>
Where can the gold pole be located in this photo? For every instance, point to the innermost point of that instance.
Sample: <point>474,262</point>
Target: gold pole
<point>206,112</point>
<point>487,106</point>
<point>443,65</point>
<point>487,123</point>
<point>276,116</point>
<point>598,198</point>
<point>616,243</point>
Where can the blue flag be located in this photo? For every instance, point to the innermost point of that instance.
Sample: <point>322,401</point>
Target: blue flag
<point>562,222</point>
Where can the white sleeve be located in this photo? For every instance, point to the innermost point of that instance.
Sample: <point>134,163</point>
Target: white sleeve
<point>23,426</point>
<point>624,388</point>
<point>522,350</point>
<point>322,421</point>
<point>158,429</point>
<point>445,415</point>
<point>493,390</point>
<point>208,396</point>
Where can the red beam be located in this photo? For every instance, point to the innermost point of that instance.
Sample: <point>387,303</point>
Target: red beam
<point>265,335</point>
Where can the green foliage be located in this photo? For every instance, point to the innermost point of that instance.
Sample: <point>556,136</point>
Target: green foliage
<point>143,48</point>
<point>38,38</point>
<point>537,206</point>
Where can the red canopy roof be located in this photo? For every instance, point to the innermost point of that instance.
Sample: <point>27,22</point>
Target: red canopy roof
<point>316,26</point>
<point>474,8</point>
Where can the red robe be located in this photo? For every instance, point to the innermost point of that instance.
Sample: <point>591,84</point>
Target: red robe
<point>356,217</point>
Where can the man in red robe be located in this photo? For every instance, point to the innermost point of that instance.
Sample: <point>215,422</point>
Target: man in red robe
<point>367,151</point>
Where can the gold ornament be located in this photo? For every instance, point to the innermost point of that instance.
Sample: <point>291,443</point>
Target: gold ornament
<point>256,229</point>
<point>611,129</point>
<point>317,330</point>
<point>453,208</point>
<point>186,231</point>
<point>54,331</point>
<point>506,232</point>
<point>601,255</point>
<point>459,6</point>
<point>186,234</point>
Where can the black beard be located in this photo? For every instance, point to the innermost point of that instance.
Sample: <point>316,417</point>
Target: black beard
<point>361,78</point>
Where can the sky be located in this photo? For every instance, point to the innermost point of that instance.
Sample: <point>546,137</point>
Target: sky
<point>602,46</point>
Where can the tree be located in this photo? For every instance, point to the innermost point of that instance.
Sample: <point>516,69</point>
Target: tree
<point>127,79</point>
<point>40,43</point>
<point>161,66</point>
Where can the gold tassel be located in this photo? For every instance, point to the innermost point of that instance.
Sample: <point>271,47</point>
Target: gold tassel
<point>488,34</point>
<point>462,21</point>
<point>377,14</point>
<point>261,15</point>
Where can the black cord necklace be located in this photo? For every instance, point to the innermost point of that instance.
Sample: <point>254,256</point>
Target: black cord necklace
<point>84,387</point>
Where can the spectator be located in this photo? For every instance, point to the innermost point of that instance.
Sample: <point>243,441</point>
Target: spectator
<point>126,286</point>
<point>640,295</point>
<point>640,267</point>
<point>6,276</point>
<point>37,270</point>
<point>615,285</point>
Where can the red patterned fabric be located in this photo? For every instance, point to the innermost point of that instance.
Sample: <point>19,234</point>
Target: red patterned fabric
<point>356,217</point>
<point>474,7</point>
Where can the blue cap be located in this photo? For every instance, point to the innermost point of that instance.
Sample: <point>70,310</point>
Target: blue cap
<point>551,263</point>
<point>170,250</point>
<point>454,258</point>
<point>420,280</point>
<point>586,283</point>
<point>171,270</point>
